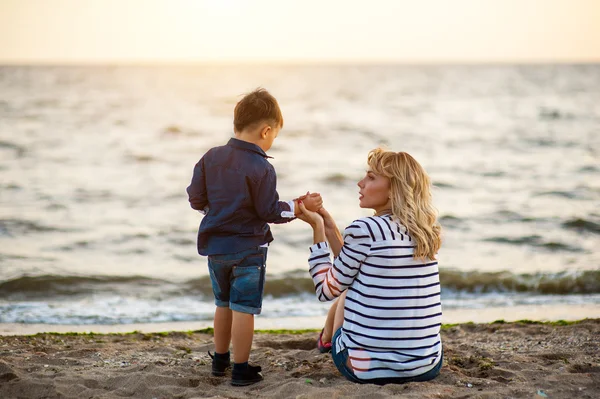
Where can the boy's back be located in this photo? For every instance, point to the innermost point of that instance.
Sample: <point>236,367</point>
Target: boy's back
<point>240,185</point>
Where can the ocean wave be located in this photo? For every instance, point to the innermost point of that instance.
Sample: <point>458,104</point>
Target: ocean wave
<point>562,283</point>
<point>453,222</point>
<point>499,216</point>
<point>18,150</point>
<point>50,286</point>
<point>83,195</point>
<point>580,192</point>
<point>10,186</point>
<point>535,241</point>
<point>582,225</point>
<point>441,184</point>
<point>143,158</point>
<point>13,227</point>
<point>511,216</point>
<point>138,299</point>
<point>551,114</point>
<point>454,282</point>
<point>337,179</point>
<point>589,169</point>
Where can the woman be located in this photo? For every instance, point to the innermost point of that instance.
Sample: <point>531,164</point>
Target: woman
<point>385,325</point>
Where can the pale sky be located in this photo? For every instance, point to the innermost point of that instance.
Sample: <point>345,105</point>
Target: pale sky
<point>129,31</point>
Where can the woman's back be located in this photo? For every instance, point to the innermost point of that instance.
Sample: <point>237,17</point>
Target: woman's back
<point>392,313</point>
<point>385,326</point>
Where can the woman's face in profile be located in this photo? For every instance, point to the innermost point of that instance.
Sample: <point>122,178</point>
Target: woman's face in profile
<point>374,192</point>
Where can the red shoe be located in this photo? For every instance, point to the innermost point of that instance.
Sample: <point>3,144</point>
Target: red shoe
<point>323,348</point>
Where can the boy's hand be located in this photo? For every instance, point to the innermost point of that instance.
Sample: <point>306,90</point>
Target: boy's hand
<point>313,202</point>
<point>310,217</point>
<point>302,197</point>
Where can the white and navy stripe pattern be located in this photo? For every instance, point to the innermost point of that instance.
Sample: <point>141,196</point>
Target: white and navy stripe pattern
<point>393,314</point>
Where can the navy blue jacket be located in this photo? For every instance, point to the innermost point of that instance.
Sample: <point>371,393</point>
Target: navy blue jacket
<point>238,186</point>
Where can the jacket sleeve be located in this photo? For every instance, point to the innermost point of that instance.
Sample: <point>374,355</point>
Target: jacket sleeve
<point>266,200</point>
<point>331,279</point>
<point>197,188</point>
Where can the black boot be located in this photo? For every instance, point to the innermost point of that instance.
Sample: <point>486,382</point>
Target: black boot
<point>243,374</point>
<point>220,363</point>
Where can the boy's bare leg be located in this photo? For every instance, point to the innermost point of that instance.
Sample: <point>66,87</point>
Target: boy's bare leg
<point>243,332</point>
<point>222,323</point>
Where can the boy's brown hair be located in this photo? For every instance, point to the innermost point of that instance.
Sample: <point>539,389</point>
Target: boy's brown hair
<point>257,106</point>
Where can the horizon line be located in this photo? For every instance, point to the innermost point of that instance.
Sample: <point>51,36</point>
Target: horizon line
<point>299,62</point>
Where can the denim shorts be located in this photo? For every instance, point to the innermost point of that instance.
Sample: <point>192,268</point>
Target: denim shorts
<point>340,359</point>
<point>238,279</point>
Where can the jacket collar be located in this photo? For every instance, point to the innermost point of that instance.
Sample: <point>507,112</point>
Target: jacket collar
<point>244,145</point>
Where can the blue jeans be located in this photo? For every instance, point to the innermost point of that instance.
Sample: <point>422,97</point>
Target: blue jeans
<point>238,279</point>
<point>340,359</point>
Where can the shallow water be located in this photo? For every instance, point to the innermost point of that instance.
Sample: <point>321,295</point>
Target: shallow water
<point>95,161</point>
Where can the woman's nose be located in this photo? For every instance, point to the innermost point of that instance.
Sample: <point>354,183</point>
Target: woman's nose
<point>360,183</point>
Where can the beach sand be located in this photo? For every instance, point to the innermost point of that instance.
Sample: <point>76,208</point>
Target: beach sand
<point>498,360</point>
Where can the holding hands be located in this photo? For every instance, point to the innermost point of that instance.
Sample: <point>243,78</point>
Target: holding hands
<point>307,207</point>
<point>311,211</point>
<point>323,225</point>
<point>312,202</point>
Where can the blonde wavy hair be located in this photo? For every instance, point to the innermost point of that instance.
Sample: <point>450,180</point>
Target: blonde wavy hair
<point>410,193</point>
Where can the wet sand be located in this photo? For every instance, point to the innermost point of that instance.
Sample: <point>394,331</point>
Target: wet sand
<point>499,360</point>
<point>568,312</point>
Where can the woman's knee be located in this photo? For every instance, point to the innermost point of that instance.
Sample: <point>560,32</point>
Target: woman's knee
<point>339,312</point>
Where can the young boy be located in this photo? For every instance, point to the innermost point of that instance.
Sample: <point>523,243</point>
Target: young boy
<point>235,187</point>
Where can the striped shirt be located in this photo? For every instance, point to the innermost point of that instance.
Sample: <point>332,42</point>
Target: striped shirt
<point>392,313</point>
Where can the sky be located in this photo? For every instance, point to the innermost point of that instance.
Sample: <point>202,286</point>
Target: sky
<point>370,31</point>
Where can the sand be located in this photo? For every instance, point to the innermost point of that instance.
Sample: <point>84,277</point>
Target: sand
<point>499,360</point>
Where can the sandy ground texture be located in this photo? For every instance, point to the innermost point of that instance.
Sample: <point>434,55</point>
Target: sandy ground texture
<point>499,360</point>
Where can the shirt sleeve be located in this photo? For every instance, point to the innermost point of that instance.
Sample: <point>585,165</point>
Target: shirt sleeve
<point>197,188</point>
<point>291,212</point>
<point>331,279</point>
<point>204,211</point>
<point>266,200</point>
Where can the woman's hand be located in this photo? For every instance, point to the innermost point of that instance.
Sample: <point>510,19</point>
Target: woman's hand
<point>310,217</point>
<point>312,202</point>
<point>316,222</point>
<point>327,219</point>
